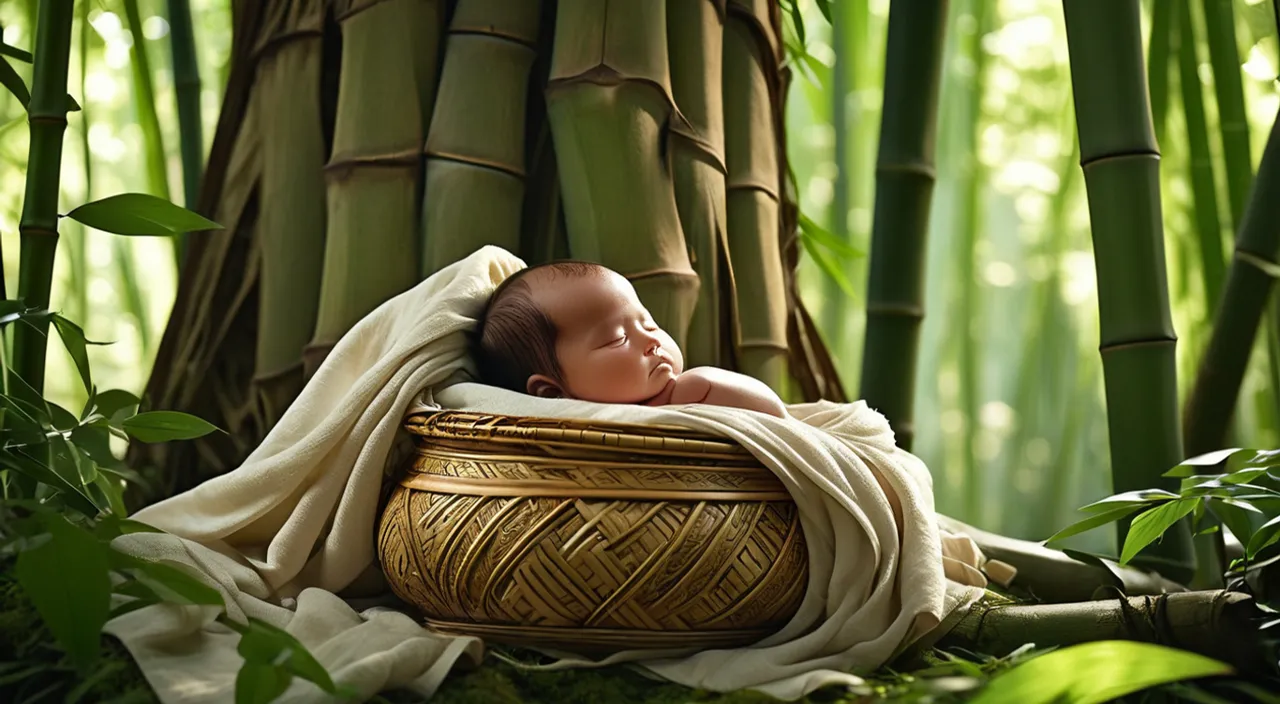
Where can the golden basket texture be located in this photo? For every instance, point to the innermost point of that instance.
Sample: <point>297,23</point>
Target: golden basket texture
<point>590,537</point>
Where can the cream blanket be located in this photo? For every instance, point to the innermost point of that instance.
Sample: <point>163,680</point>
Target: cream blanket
<point>280,535</point>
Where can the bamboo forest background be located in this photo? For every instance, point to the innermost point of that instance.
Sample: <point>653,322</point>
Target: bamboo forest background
<point>1009,404</point>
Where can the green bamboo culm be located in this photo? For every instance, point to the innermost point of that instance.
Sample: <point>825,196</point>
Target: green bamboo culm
<point>756,204</point>
<point>905,177</point>
<point>609,93</point>
<point>387,83</point>
<point>1121,165</point>
<point>144,102</point>
<point>474,189</point>
<point>835,307</point>
<point>38,227</point>
<point>1257,252</point>
<point>1204,193</point>
<point>1164,29</point>
<point>1233,123</point>
<point>695,38</point>
<point>186,88</point>
<point>970,218</point>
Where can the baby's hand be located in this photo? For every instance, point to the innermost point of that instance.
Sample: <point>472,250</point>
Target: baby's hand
<point>720,387</point>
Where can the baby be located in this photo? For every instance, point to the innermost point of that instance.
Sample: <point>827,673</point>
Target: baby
<point>577,330</point>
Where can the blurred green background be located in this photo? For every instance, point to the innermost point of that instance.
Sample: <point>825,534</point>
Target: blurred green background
<point>1009,411</point>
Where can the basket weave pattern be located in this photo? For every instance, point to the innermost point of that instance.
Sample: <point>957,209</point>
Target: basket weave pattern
<point>591,537</point>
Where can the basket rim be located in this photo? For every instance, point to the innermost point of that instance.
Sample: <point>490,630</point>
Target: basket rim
<point>458,425</point>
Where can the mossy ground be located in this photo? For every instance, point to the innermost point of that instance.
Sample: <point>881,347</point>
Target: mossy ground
<point>33,669</point>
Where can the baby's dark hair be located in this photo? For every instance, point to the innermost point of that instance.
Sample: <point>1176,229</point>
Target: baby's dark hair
<point>516,338</point>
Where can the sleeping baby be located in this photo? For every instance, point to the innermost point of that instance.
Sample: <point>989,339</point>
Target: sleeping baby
<point>578,330</point>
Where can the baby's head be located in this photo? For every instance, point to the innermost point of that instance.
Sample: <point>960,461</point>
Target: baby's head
<point>574,330</point>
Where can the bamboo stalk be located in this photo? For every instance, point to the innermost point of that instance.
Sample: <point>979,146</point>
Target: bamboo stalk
<point>1233,123</point>
<point>844,18</point>
<point>1217,383</point>
<point>754,189</point>
<point>144,102</point>
<point>904,190</point>
<point>695,35</point>
<point>475,172</point>
<point>609,93</point>
<point>80,255</point>
<point>373,174</point>
<point>291,220</point>
<point>1200,162</point>
<point>186,87</point>
<point>1121,167</point>
<point>1218,624</point>
<point>38,227</point>
<point>969,315</point>
<point>1164,33</point>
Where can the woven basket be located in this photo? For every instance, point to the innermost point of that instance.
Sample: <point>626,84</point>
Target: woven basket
<point>591,537</point>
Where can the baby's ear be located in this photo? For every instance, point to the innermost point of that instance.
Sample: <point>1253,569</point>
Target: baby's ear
<point>543,387</point>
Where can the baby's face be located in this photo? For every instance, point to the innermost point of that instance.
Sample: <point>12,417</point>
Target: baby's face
<point>608,346</point>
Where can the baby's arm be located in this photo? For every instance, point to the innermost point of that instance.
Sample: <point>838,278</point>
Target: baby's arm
<point>719,387</point>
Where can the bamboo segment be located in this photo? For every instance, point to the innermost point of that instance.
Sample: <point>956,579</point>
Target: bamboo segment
<point>1121,166</point>
<point>1203,190</point>
<point>186,86</point>
<point>145,103</point>
<point>371,245</point>
<point>475,148</point>
<point>695,32</point>
<point>1257,253</point>
<point>1220,26</point>
<point>292,209</point>
<point>609,96</point>
<point>1218,624</point>
<point>1164,32</point>
<point>38,226</point>
<point>754,188</point>
<point>967,318</point>
<point>904,190</point>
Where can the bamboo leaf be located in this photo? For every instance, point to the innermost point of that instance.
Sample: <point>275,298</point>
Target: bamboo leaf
<point>113,404</point>
<point>1092,522</point>
<point>67,581</point>
<point>1234,518</point>
<point>140,214</point>
<point>10,79</point>
<point>1130,498</point>
<point>1231,460</point>
<point>260,684</point>
<point>824,6</point>
<point>175,585</point>
<point>1091,673</point>
<point>1267,534</point>
<point>264,645</point>
<point>73,339</point>
<point>823,260</point>
<point>164,426</point>
<point>1151,524</point>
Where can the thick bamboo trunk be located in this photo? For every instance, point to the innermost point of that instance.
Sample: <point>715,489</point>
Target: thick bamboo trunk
<point>38,226</point>
<point>695,36</point>
<point>291,209</point>
<point>386,82</point>
<point>904,191</point>
<point>1121,165</point>
<point>753,159</point>
<point>475,181</point>
<point>1224,56</point>
<point>609,94</point>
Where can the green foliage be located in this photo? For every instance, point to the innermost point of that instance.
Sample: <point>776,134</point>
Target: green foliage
<point>1092,673</point>
<point>62,506</point>
<point>1236,488</point>
<point>140,214</point>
